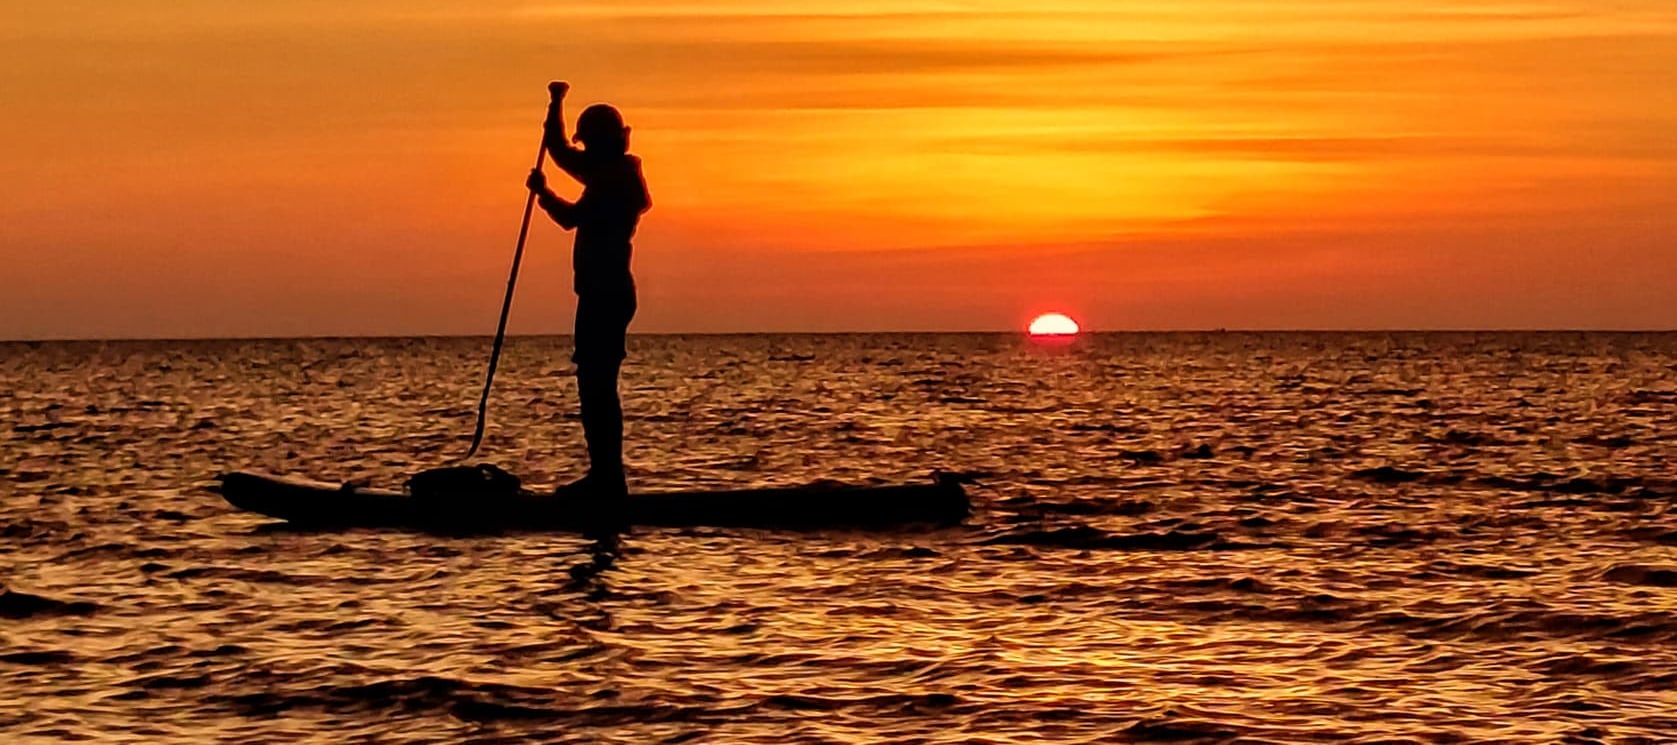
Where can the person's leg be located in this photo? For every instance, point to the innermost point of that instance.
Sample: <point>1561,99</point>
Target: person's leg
<point>602,423</point>
<point>602,328</point>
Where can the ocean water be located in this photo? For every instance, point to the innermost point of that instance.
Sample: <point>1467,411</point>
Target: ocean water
<point>1254,538</point>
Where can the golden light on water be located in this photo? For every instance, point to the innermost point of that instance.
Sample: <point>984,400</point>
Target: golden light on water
<point>1053,324</point>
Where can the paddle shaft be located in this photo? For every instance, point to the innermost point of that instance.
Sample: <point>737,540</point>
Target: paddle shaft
<point>506,309</point>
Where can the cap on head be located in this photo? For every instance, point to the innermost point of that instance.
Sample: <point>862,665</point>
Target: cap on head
<point>601,125</point>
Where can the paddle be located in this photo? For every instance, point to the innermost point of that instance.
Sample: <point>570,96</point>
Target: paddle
<point>556,91</point>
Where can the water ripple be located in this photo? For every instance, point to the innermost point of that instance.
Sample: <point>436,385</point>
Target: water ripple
<point>1253,538</point>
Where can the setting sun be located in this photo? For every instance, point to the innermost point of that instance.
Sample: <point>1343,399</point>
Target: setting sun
<point>1053,324</point>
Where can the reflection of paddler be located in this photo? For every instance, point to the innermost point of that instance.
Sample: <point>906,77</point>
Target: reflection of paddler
<point>613,197</point>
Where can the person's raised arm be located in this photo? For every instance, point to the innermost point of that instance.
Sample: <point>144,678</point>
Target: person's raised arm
<point>569,159</point>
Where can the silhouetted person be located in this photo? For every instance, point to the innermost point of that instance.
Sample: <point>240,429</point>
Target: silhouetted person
<point>613,197</point>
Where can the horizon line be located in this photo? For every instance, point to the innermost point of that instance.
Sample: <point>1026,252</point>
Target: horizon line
<point>901,332</point>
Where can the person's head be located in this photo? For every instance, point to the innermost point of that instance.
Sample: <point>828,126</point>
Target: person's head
<point>600,130</point>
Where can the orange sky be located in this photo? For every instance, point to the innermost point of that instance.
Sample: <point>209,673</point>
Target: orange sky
<point>206,168</point>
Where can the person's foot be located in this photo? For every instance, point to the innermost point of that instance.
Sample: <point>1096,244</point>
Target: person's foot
<point>609,485</point>
<point>594,487</point>
<point>579,489</point>
<point>596,501</point>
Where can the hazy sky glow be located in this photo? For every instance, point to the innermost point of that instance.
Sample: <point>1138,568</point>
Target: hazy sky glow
<point>206,168</point>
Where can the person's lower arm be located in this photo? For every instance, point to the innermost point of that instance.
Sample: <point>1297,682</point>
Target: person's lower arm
<point>554,127</point>
<point>556,207</point>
